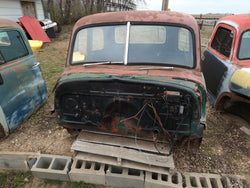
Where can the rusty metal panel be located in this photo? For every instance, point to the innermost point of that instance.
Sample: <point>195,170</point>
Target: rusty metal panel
<point>134,87</point>
<point>227,75</point>
<point>22,88</point>
<point>33,27</point>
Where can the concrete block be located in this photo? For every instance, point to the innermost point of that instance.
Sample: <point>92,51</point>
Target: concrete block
<point>203,180</point>
<point>165,180</point>
<point>226,182</point>
<point>16,160</point>
<point>193,180</point>
<point>52,167</point>
<point>117,176</point>
<point>86,171</point>
<point>230,181</point>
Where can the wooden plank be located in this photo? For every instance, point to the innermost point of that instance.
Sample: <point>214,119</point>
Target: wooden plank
<point>116,140</point>
<point>124,163</point>
<point>123,153</point>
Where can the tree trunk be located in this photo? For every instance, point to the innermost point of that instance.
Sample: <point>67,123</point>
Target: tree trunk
<point>50,5</point>
<point>61,7</point>
<point>67,11</point>
<point>91,6</point>
<point>100,5</point>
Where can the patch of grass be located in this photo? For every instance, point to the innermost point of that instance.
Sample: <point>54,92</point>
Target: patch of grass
<point>20,177</point>
<point>70,184</point>
<point>193,183</point>
<point>54,122</point>
<point>3,179</point>
<point>53,182</point>
<point>81,185</point>
<point>33,117</point>
<point>203,164</point>
<point>236,157</point>
<point>206,148</point>
<point>14,178</point>
<point>213,143</point>
<point>66,37</point>
<point>52,57</point>
<point>245,172</point>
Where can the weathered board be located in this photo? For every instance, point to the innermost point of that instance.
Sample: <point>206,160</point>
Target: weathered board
<point>124,163</point>
<point>126,142</point>
<point>122,151</point>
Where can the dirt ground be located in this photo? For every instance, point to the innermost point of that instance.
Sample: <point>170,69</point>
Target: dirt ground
<point>224,149</point>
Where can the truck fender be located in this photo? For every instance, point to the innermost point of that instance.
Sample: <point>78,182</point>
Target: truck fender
<point>4,128</point>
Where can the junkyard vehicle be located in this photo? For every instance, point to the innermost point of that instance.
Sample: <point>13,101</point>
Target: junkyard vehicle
<point>226,63</point>
<point>134,74</point>
<point>22,87</point>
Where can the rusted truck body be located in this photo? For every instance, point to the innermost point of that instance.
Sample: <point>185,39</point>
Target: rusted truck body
<point>22,87</point>
<point>134,74</point>
<point>226,63</point>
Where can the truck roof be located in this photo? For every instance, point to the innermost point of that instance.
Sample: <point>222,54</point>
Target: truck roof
<point>139,16</point>
<point>8,23</point>
<point>239,20</point>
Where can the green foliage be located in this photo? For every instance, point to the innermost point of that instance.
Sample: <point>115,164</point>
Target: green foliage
<point>77,11</point>
<point>69,11</point>
<point>213,143</point>
<point>14,178</point>
<point>81,185</point>
<point>193,182</point>
<point>3,179</point>
<point>53,182</point>
<point>18,180</point>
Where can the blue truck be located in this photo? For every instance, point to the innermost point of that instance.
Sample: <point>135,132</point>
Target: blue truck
<point>22,86</point>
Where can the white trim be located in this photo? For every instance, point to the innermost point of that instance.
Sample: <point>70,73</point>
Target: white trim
<point>127,44</point>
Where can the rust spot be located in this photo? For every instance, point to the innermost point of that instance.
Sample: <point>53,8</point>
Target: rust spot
<point>18,69</point>
<point>24,79</point>
<point>19,76</point>
<point>190,74</point>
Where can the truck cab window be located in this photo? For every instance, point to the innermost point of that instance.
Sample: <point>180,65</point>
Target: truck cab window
<point>222,41</point>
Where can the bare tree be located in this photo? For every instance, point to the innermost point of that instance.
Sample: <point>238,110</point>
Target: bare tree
<point>61,7</point>
<point>100,5</point>
<point>67,11</point>
<point>50,4</point>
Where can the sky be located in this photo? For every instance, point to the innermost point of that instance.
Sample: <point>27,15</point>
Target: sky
<point>202,6</point>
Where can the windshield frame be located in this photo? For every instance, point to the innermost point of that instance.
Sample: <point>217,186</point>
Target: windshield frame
<point>128,24</point>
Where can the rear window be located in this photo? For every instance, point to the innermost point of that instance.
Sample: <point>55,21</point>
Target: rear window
<point>12,46</point>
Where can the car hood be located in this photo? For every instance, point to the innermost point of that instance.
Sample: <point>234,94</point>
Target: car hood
<point>98,86</point>
<point>152,73</point>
